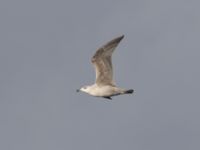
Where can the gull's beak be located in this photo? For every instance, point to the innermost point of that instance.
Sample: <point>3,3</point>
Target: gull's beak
<point>78,90</point>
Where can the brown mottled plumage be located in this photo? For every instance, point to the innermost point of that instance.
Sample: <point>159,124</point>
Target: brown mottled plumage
<point>102,61</point>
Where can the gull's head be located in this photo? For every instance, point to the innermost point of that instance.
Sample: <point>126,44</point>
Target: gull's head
<point>85,89</point>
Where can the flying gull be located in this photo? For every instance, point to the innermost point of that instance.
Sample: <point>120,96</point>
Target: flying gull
<point>104,85</point>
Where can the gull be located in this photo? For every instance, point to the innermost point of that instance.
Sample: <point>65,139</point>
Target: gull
<point>104,85</point>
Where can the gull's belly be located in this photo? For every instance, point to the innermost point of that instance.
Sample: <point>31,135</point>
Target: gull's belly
<point>103,91</point>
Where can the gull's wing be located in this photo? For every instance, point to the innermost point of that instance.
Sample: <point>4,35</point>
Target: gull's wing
<point>102,61</point>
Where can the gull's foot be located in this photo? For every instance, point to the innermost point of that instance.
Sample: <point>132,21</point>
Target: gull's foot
<point>107,97</point>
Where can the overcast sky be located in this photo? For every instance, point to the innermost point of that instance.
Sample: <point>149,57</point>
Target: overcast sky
<point>45,51</point>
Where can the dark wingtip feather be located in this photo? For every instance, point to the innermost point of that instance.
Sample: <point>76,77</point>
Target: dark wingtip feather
<point>114,41</point>
<point>118,39</point>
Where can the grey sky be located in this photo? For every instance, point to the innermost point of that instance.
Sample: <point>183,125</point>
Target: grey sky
<point>45,51</point>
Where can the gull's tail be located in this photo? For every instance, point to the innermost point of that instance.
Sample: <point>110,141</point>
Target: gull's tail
<point>130,91</point>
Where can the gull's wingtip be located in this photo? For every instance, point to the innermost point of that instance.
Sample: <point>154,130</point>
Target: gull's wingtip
<point>121,37</point>
<point>117,39</point>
